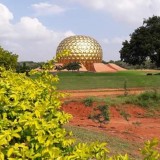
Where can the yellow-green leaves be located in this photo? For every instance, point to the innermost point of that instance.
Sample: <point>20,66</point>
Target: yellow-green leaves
<point>1,156</point>
<point>64,54</point>
<point>10,151</point>
<point>149,151</point>
<point>120,157</point>
<point>30,119</point>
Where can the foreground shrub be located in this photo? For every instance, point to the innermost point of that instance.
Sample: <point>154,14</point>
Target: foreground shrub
<point>31,122</point>
<point>149,151</point>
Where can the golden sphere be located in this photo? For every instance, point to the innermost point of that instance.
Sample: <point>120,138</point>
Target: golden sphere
<point>83,49</point>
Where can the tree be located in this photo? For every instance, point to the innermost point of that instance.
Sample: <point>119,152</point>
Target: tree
<point>58,67</point>
<point>72,66</point>
<point>22,68</point>
<point>144,43</point>
<point>29,64</point>
<point>7,59</point>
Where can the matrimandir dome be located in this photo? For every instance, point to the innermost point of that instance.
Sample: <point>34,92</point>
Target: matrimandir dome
<point>82,49</point>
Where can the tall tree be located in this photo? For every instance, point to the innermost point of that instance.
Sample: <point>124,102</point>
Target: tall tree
<point>7,59</point>
<point>144,43</point>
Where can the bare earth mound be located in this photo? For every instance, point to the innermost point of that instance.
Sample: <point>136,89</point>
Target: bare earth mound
<point>138,127</point>
<point>100,67</point>
<point>116,67</point>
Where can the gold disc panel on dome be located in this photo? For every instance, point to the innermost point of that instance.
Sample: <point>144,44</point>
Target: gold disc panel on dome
<point>83,49</point>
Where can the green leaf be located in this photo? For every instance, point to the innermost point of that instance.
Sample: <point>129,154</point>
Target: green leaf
<point>16,135</point>
<point>37,113</point>
<point>10,151</point>
<point>1,156</point>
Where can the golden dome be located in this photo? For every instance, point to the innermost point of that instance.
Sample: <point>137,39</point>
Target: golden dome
<point>83,49</point>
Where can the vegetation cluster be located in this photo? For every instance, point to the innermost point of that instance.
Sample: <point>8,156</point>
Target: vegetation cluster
<point>143,44</point>
<point>26,66</point>
<point>8,60</point>
<point>72,66</point>
<point>148,99</point>
<point>100,112</point>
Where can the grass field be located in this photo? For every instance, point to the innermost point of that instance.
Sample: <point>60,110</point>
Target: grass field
<point>89,80</point>
<point>115,144</point>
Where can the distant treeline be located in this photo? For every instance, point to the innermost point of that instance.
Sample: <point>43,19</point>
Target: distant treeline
<point>24,66</point>
<point>146,65</point>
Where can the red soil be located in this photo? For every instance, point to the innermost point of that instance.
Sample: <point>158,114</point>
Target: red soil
<point>101,92</point>
<point>139,126</point>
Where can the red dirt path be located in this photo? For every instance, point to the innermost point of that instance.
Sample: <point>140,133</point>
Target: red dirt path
<point>138,128</point>
<point>101,92</point>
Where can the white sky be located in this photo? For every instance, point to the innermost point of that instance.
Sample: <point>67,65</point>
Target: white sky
<point>34,28</point>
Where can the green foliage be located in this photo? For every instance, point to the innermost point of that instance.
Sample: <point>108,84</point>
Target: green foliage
<point>148,99</point>
<point>58,67</point>
<point>7,59</point>
<point>23,69</point>
<point>88,101</point>
<point>49,65</point>
<point>24,66</point>
<point>125,88</point>
<point>100,114</point>
<point>149,151</point>
<point>30,119</point>
<point>125,115</point>
<point>72,66</point>
<point>146,65</point>
<point>144,43</point>
<point>154,95</point>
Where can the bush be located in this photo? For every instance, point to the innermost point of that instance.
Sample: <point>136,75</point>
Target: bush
<point>31,121</point>
<point>100,114</point>
<point>88,101</point>
<point>149,99</point>
<point>150,151</point>
<point>72,66</point>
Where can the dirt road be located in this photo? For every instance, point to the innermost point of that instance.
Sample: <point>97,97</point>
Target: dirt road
<point>102,92</point>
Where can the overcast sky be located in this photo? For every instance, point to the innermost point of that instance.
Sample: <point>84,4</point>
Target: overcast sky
<point>34,28</point>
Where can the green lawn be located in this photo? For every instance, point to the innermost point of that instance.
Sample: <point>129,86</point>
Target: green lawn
<point>76,81</point>
<point>115,144</point>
